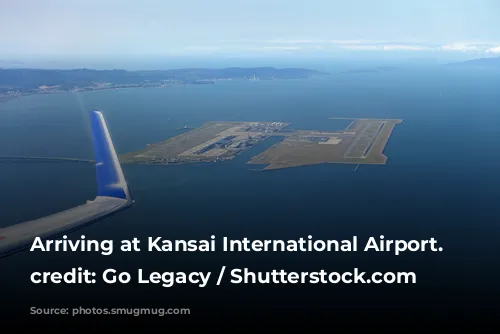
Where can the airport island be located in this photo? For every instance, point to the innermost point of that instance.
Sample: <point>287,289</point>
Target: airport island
<point>362,142</point>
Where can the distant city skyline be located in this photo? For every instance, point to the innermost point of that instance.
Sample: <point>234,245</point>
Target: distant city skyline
<point>244,27</point>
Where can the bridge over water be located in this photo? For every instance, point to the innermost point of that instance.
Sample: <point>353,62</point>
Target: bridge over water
<point>46,159</point>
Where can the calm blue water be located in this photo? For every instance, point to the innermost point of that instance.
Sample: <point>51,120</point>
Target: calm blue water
<point>441,181</point>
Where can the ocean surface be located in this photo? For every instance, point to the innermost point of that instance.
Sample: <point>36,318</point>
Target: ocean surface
<point>442,180</point>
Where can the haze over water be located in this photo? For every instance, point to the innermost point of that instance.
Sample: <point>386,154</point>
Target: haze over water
<point>441,181</point>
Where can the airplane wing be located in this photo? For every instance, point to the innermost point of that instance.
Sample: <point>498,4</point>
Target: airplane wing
<point>113,195</point>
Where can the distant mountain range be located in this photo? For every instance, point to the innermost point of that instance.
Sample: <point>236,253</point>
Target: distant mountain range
<point>482,62</point>
<point>69,79</point>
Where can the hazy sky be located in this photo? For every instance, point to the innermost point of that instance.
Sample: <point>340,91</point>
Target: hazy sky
<point>114,27</point>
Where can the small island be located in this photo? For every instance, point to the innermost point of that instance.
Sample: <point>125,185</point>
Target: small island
<point>487,63</point>
<point>19,82</point>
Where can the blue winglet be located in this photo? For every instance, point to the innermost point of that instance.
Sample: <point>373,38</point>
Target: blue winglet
<point>110,179</point>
